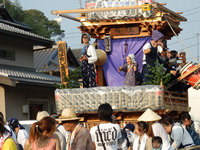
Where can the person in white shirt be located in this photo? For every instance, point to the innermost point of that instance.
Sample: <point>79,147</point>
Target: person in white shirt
<point>179,137</point>
<point>20,131</point>
<point>143,140</point>
<point>152,119</point>
<point>129,128</point>
<point>151,51</point>
<point>105,136</point>
<point>88,58</point>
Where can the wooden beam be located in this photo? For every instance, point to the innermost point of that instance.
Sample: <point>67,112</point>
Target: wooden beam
<point>131,36</point>
<point>69,17</point>
<point>197,67</point>
<point>171,13</point>
<point>179,13</point>
<point>95,10</point>
<point>7,81</point>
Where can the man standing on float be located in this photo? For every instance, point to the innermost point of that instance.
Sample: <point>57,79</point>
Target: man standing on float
<point>151,51</point>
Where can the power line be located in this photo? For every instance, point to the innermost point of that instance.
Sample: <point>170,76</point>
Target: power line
<point>191,9</point>
<point>191,13</point>
<point>191,22</point>
<point>182,40</point>
<point>189,46</point>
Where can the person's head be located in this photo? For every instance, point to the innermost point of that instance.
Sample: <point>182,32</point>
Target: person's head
<point>70,125</point>
<point>157,36</point>
<point>1,117</point>
<point>130,127</point>
<point>41,114</point>
<point>141,128</point>
<point>186,119</point>
<point>157,143</point>
<point>169,55</point>
<point>114,119</point>
<point>174,54</point>
<point>167,123</point>
<point>3,130</point>
<point>85,38</point>
<point>130,59</point>
<point>43,128</point>
<point>68,119</point>
<point>14,123</point>
<point>105,112</point>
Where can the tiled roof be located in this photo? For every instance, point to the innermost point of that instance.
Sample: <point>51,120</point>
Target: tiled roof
<point>12,29</point>
<point>47,60</point>
<point>29,76</point>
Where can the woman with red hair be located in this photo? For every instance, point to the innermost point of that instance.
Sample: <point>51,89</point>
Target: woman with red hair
<point>41,136</point>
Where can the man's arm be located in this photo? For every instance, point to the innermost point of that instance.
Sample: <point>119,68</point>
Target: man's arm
<point>147,51</point>
<point>83,140</point>
<point>177,137</point>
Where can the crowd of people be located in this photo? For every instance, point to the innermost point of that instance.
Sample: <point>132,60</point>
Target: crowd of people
<point>67,132</point>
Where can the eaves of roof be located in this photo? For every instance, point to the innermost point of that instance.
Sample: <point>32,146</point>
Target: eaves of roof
<point>38,40</point>
<point>12,77</point>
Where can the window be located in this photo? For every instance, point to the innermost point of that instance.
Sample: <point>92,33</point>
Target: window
<point>8,55</point>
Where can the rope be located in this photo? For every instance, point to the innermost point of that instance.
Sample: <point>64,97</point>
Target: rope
<point>180,40</point>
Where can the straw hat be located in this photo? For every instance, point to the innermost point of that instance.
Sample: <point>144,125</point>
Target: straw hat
<point>149,115</point>
<point>68,114</point>
<point>41,114</point>
<point>101,57</point>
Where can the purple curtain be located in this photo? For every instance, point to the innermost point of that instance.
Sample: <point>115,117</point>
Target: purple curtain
<point>117,58</point>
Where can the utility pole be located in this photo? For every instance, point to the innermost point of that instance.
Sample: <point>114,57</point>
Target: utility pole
<point>80,4</point>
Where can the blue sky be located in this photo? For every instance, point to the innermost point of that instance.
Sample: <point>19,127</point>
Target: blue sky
<point>190,9</point>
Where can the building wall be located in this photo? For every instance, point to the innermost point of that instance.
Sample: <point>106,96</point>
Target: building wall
<point>23,51</point>
<point>194,103</point>
<point>2,100</point>
<point>16,97</point>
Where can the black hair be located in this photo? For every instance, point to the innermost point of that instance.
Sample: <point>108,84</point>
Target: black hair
<point>14,125</point>
<point>185,115</point>
<point>174,53</point>
<point>3,130</point>
<point>157,139</point>
<point>142,126</point>
<point>105,112</point>
<point>2,118</point>
<point>166,120</point>
<point>82,37</point>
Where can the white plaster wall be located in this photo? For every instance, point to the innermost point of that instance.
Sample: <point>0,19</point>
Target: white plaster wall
<point>16,97</point>
<point>23,52</point>
<point>194,103</point>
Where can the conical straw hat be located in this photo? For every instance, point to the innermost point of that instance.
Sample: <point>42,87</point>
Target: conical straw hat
<point>149,115</point>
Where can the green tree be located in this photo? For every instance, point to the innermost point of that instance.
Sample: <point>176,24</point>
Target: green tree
<point>36,19</point>
<point>72,79</point>
<point>158,75</point>
<point>15,10</point>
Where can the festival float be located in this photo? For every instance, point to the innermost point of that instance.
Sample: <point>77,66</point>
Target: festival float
<point>122,27</point>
